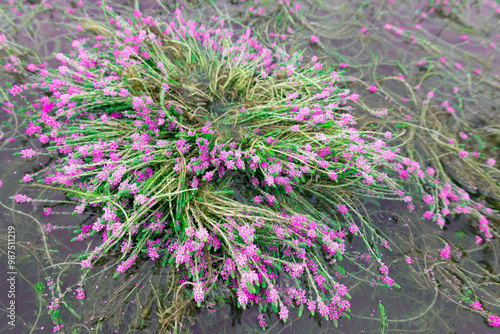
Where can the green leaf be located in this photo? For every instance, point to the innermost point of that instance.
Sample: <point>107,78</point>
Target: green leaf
<point>83,256</point>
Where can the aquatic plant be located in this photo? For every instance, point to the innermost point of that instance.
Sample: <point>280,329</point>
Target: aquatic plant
<point>237,164</point>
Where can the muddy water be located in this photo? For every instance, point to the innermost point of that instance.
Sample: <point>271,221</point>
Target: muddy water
<point>415,308</point>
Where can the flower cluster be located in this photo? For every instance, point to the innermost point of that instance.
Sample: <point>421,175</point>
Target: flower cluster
<point>144,135</point>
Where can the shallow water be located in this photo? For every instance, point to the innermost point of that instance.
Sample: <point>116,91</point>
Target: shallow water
<point>373,58</point>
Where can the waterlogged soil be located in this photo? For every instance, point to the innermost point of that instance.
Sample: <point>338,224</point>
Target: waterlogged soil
<point>377,57</point>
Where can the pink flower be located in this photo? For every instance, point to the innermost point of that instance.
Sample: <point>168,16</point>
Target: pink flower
<point>283,313</point>
<point>388,135</point>
<point>443,60</point>
<point>428,215</point>
<point>258,199</point>
<point>494,321</point>
<point>28,153</point>
<point>137,13</point>
<point>47,211</point>
<point>262,321</point>
<point>430,95</point>
<point>463,154</point>
<point>428,199</point>
<point>81,293</point>
<point>477,306</point>
<point>342,209</point>
<point>373,89</point>
<point>491,162</point>
<point>314,39</point>
<point>464,37</point>
<point>27,178</point>
<point>20,198</point>
<point>15,90</point>
<point>446,251</point>
<point>198,292</point>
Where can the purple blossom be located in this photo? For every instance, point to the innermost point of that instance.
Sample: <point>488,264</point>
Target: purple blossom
<point>283,313</point>
<point>342,209</point>
<point>446,251</point>
<point>28,153</point>
<point>21,198</point>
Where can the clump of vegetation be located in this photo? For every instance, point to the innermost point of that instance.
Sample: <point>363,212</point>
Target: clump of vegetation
<point>238,167</point>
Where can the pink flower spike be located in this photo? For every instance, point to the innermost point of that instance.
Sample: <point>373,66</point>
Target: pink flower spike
<point>373,89</point>
<point>477,306</point>
<point>137,13</point>
<point>446,251</point>
<point>314,39</point>
<point>491,162</point>
<point>27,178</point>
<point>283,313</point>
<point>342,209</point>
<point>430,95</point>
<point>494,321</point>
<point>464,37</point>
<point>463,154</point>
<point>477,71</point>
<point>443,60</point>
